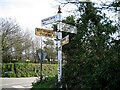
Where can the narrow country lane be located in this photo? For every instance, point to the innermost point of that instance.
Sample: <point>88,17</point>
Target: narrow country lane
<point>17,83</point>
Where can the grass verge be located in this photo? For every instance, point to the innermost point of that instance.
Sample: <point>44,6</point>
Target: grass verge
<point>47,83</point>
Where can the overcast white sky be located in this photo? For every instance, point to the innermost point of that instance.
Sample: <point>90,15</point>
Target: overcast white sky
<point>28,13</point>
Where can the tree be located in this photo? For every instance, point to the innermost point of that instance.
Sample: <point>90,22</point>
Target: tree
<point>114,8</point>
<point>28,47</point>
<point>16,45</point>
<point>89,53</point>
<point>8,29</point>
<point>50,50</point>
<point>36,47</point>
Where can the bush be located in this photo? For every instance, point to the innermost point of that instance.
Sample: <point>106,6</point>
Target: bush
<point>47,83</point>
<point>28,69</point>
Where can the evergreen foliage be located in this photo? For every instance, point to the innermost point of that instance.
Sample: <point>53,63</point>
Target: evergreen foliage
<point>92,55</point>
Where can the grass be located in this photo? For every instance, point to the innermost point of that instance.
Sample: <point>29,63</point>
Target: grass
<point>49,83</point>
<point>45,84</point>
<point>50,70</point>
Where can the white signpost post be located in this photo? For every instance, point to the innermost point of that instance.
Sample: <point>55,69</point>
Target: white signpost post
<point>59,37</point>
<point>60,42</point>
<point>53,19</point>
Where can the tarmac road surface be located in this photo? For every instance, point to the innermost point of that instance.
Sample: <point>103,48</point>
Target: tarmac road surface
<point>17,83</point>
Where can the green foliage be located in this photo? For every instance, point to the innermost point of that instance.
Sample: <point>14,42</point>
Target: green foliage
<point>107,76</point>
<point>47,83</point>
<point>28,70</point>
<point>92,59</point>
<point>50,50</point>
<point>13,42</point>
<point>54,27</point>
<point>69,20</point>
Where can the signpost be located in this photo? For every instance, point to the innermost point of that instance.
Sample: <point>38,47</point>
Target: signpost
<point>42,56</point>
<point>44,32</point>
<point>60,42</point>
<point>69,28</point>
<point>49,20</point>
<point>59,38</point>
<point>65,40</point>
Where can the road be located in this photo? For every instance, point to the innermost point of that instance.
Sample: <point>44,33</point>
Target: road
<point>17,83</point>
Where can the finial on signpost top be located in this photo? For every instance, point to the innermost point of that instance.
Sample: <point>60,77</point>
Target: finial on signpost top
<point>59,9</point>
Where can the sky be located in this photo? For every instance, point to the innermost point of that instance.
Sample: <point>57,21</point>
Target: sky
<point>28,13</point>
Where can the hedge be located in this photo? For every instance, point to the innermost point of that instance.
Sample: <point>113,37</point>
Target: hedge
<point>28,70</point>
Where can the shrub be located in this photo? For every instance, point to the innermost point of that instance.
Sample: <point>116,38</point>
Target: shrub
<point>27,69</point>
